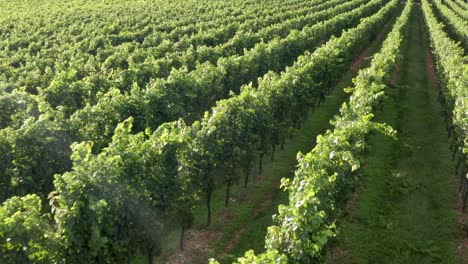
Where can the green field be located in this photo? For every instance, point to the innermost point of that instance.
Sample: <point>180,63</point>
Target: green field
<point>319,131</point>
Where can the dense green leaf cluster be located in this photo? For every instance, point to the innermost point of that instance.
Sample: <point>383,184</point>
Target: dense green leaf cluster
<point>25,233</point>
<point>184,93</point>
<point>125,198</point>
<point>187,94</point>
<point>69,71</point>
<point>30,119</point>
<point>459,10</point>
<point>454,77</point>
<point>456,24</point>
<point>31,155</point>
<point>461,3</point>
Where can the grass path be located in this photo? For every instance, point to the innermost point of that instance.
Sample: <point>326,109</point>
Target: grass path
<point>404,211</point>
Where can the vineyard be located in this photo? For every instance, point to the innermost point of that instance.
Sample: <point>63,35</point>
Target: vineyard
<point>292,131</point>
